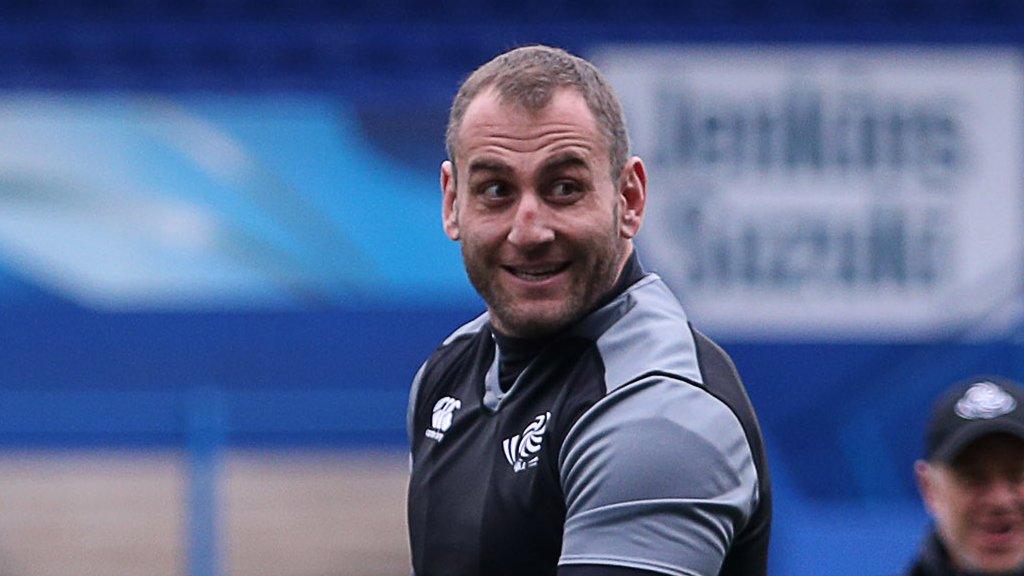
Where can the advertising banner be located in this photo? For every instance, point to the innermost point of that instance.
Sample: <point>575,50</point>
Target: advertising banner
<point>846,193</point>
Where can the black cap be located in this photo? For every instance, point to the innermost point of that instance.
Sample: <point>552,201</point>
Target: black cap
<point>971,409</point>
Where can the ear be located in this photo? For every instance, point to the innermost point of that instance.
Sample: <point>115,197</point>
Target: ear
<point>632,197</point>
<point>449,204</point>
<point>924,474</point>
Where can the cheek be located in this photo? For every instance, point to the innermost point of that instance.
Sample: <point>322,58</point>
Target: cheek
<point>598,227</point>
<point>481,235</point>
<point>959,511</point>
<point>950,506</point>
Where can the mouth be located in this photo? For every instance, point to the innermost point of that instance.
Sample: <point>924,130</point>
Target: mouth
<point>1000,532</point>
<point>537,272</point>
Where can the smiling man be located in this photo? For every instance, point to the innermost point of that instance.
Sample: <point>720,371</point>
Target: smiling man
<point>973,481</point>
<point>580,426</point>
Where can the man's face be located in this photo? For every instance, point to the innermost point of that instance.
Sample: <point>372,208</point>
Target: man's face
<point>544,228</point>
<point>978,503</point>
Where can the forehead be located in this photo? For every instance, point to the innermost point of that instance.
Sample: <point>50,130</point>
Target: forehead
<point>493,126</point>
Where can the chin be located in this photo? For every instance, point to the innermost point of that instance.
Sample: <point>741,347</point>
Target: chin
<point>532,328</point>
<point>998,568</point>
<point>534,323</point>
<point>999,564</point>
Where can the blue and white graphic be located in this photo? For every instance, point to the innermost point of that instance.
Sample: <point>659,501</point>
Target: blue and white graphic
<point>142,203</point>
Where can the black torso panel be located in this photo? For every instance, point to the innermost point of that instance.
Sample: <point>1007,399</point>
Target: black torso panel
<point>485,498</point>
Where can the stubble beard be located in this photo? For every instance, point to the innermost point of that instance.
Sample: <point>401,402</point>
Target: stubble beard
<point>595,269</point>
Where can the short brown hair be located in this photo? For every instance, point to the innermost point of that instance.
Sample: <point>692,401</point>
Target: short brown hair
<point>529,77</point>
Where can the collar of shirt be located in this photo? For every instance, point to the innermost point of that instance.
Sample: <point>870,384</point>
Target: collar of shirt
<point>516,353</point>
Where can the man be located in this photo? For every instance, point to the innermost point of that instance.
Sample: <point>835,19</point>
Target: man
<point>579,427</point>
<point>973,481</point>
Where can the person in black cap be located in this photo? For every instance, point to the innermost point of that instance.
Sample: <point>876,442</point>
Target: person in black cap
<point>972,481</point>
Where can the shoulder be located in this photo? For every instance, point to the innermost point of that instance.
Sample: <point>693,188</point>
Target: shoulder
<point>718,372</point>
<point>661,459</point>
<point>659,371</point>
<point>720,379</point>
<point>467,330</point>
<point>664,430</point>
<point>444,357</point>
<point>644,330</point>
<point>449,350</point>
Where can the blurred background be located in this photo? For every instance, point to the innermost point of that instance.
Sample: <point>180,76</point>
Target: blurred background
<point>221,260</point>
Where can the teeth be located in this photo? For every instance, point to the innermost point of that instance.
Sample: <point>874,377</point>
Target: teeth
<point>532,275</point>
<point>535,274</point>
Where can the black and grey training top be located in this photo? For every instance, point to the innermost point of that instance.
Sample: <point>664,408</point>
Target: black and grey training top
<point>627,441</point>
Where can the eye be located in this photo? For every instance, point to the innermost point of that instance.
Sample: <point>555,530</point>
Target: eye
<point>565,189</point>
<point>972,478</point>
<point>493,192</point>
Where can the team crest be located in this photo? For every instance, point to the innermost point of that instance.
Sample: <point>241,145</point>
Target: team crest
<point>441,419</point>
<point>521,450</point>
<point>985,400</point>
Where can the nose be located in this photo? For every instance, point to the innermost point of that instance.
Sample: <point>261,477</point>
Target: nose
<point>531,225</point>
<point>1005,493</point>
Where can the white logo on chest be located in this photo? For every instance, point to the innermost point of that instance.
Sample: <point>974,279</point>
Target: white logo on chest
<point>521,450</point>
<point>441,419</point>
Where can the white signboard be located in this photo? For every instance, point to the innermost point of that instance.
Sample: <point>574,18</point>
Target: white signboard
<point>842,193</point>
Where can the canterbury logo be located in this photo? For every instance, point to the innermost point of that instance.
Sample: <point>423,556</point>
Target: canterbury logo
<point>521,450</point>
<point>441,419</point>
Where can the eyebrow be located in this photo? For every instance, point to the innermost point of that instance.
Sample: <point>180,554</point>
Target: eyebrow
<point>563,161</point>
<point>553,164</point>
<point>488,165</point>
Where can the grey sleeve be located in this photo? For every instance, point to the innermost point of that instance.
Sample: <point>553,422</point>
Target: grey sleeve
<point>410,413</point>
<point>657,476</point>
